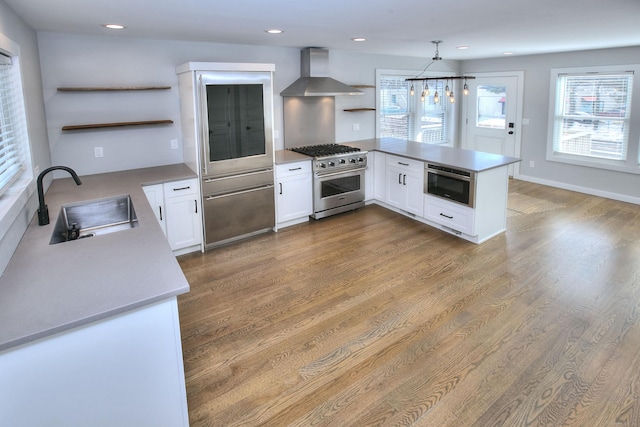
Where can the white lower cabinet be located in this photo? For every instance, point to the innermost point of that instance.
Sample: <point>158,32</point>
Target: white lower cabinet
<point>456,217</point>
<point>405,184</point>
<point>294,193</point>
<point>177,208</point>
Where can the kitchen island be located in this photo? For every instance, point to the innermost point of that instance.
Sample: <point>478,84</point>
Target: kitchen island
<point>90,332</point>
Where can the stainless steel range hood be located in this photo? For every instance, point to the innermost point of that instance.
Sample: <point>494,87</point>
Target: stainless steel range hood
<point>314,77</point>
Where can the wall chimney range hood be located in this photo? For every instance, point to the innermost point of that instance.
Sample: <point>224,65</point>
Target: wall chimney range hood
<point>314,77</point>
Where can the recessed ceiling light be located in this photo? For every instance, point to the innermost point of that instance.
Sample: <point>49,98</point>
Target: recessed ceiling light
<point>462,47</point>
<point>114,26</point>
<point>507,53</point>
<point>359,39</point>
<point>274,31</point>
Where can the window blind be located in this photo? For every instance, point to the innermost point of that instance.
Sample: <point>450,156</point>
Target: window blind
<point>12,124</point>
<point>592,115</point>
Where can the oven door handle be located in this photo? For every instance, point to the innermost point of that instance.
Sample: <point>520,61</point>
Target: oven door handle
<point>235,193</point>
<point>344,172</point>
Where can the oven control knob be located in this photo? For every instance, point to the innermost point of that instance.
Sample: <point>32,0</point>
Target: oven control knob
<point>322,165</point>
<point>332,164</point>
<point>360,159</point>
<point>343,161</point>
<point>352,160</point>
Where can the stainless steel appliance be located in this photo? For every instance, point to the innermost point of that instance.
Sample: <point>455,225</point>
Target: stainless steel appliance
<point>338,178</point>
<point>232,107</point>
<point>456,185</point>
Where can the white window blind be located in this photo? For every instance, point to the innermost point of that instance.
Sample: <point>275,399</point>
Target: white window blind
<point>12,124</point>
<point>592,115</point>
<point>409,117</point>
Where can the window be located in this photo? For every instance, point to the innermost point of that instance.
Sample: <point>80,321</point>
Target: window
<point>12,123</point>
<point>401,115</point>
<point>592,117</point>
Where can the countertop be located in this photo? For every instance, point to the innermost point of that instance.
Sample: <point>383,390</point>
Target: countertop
<point>47,289</point>
<point>474,161</point>
<point>282,157</point>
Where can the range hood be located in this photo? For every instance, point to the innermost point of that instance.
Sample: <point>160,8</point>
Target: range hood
<point>314,77</point>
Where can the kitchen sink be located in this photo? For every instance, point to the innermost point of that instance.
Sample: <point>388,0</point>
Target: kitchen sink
<point>93,218</point>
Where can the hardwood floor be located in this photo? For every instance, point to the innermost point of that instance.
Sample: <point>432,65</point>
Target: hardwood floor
<point>372,319</point>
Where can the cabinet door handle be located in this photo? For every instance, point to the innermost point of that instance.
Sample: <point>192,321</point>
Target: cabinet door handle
<point>160,209</point>
<point>404,179</point>
<point>400,178</point>
<point>182,188</point>
<point>403,164</point>
<point>195,202</point>
<point>446,216</point>
<point>295,169</point>
<point>280,184</point>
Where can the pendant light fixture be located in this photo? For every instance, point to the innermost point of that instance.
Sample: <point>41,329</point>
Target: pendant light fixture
<point>447,90</point>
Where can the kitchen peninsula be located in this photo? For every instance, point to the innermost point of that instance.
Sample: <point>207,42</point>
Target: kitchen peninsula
<point>397,176</point>
<point>90,331</point>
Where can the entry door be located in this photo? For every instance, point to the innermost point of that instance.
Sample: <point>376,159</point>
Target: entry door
<point>491,122</point>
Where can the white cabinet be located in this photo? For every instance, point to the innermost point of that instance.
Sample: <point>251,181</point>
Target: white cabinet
<point>125,370</point>
<point>177,208</point>
<point>379,176</point>
<point>404,184</point>
<point>457,218</point>
<point>294,193</point>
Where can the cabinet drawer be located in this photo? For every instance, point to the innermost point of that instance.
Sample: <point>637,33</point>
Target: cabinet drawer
<point>293,169</point>
<point>406,164</point>
<point>180,188</point>
<point>449,214</point>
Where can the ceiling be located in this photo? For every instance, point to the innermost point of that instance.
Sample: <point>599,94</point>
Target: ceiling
<point>392,27</point>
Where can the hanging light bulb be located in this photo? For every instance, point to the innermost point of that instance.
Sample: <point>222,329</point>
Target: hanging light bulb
<point>465,89</point>
<point>426,90</point>
<point>411,91</point>
<point>436,98</point>
<point>423,95</point>
<point>447,92</point>
<point>451,98</point>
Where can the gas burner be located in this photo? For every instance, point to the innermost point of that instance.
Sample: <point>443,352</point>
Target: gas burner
<point>324,150</point>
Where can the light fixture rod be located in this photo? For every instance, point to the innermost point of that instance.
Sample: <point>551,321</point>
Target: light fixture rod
<point>424,79</point>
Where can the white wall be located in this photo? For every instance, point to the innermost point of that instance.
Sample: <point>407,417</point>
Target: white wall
<point>537,71</point>
<point>15,221</point>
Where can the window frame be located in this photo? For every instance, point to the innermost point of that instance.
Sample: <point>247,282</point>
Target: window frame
<point>631,162</point>
<point>413,107</point>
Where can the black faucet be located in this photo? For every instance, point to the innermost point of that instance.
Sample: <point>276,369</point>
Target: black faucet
<point>43,211</point>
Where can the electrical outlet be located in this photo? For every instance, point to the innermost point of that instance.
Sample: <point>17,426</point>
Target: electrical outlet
<point>356,126</point>
<point>98,151</point>
<point>532,164</point>
<point>276,134</point>
<point>174,144</point>
<point>525,122</point>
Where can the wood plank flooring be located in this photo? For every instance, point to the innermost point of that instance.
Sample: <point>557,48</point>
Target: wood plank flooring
<point>372,319</point>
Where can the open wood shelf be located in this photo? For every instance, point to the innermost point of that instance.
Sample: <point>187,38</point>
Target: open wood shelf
<point>363,86</point>
<point>111,89</point>
<point>353,110</point>
<point>117,124</point>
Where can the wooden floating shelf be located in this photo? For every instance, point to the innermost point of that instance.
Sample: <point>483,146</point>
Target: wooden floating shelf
<point>363,86</point>
<point>118,124</point>
<point>353,110</point>
<point>111,89</point>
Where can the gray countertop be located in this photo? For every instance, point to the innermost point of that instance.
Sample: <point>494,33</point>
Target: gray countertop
<point>283,157</point>
<point>47,289</point>
<point>474,161</point>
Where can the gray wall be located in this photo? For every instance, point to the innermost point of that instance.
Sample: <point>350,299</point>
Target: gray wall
<point>15,222</point>
<point>537,71</point>
<point>73,60</point>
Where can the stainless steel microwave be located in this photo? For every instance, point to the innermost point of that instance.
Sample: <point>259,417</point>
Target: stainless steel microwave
<point>456,185</point>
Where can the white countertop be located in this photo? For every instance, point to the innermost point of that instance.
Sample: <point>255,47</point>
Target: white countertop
<point>47,288</point>
<point>473,161</point>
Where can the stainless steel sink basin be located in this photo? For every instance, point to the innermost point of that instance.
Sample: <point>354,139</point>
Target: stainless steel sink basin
<point>93,218</point>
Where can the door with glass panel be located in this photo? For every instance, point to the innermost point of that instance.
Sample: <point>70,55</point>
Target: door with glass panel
<point>490,115</point>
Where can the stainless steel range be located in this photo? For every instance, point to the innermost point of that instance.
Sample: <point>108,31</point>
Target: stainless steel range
<point>338,178</point>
